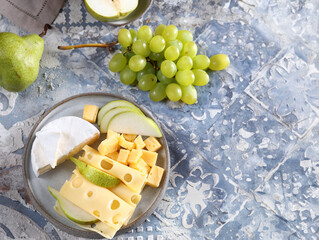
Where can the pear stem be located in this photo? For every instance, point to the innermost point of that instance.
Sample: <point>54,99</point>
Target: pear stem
<point>103,45</point>
<point>45,29</point>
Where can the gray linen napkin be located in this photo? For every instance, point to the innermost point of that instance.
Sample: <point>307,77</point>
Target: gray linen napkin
<point>31,15</point>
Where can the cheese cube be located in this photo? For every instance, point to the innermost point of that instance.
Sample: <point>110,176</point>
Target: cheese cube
<point>132,178</point>
<point>111,133</point>
<point>125,144</point>
<point>149,157</point>
<point>96,200</point>
<point>90,113</point>
<point>134,156</point>
<point>141,166</point>
<point>152,144</point>
<point>155,176</point>
<point>139,143</point>
<point>129,137</point>
<point>109,145</point>
<point>123,156</point>
<point>113,155</point>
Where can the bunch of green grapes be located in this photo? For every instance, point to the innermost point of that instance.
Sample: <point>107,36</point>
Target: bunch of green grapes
<point>165,63</point>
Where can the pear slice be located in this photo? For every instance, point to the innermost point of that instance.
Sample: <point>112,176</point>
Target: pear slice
<point>106,10</point>
<point>134,123</point>
<point>95,175</point>
<point>113,104</point>
<point>72,211</point>
<point>111,113</point>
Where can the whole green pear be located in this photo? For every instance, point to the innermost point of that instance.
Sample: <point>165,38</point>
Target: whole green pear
<point>19,60</point>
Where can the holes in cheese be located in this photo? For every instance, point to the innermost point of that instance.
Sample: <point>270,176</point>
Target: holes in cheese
<point>89,193</point>
<point>89,156</point>
<point>106,165</point>
<point>96,213</point>
<point>77,182</point>
<point>117,218</point>
<point>128,178</point>
<point>115,205</point>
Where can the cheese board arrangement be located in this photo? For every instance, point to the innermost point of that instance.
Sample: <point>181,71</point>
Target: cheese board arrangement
<point>96,164</point>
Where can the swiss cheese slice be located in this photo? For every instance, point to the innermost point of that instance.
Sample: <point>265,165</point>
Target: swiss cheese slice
<point>96,200</point>
<point>132,178</point>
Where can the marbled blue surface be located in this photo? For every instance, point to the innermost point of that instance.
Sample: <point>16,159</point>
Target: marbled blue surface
<point>244,158</point>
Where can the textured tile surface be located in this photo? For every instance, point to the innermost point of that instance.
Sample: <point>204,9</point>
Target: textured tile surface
<point>244,158</point>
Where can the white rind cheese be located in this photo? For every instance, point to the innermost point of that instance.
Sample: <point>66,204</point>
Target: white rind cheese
<point>58,140</point>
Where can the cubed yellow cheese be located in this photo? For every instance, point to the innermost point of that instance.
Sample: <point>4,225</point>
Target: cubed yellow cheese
<point>149,157</point>
<point>125,144</point>
<point>123,156</point>
<point>141,166</point>
<point>124,192</point>
<point>139,143</point>
<point>111,133</point>
<point>96,200</point>
<point>152,144</point>
<point>132,178</point>
<point>129,137</point>
<point>109,145</point>
<point>90,113</point>
<point>155,176</point>
<point>113,155</point>
<point>134,156</point>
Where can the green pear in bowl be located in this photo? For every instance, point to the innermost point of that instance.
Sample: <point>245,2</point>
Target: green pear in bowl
<point>19,60</point>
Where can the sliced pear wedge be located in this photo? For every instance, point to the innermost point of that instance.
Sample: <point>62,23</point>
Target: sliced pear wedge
<point>113,104</point>
<point>95,175</point>
<point>72,211</point>
<point>134,123</point>
<point>111,113</point>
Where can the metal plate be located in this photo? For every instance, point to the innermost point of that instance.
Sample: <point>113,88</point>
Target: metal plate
<point>37,186</point>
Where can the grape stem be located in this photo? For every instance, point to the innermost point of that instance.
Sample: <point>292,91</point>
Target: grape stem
<point>103,45</point>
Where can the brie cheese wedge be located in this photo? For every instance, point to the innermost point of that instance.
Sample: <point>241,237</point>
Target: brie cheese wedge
<point>60,139</point>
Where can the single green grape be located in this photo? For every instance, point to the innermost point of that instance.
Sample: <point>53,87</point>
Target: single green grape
<point>160,28</point>
<point>189,49</point>
<point>173,92</point>
<point>168,68</point>
<point>124,37</point>
<point>145,33</point>
<point>177,43</point>
<point>184,36</point>
<point>141,47</point>
<point>156,56</point>
<point>201,77</point>
<point>184,63</point>
<point>127,76</point>
<point>163,79</point>
<point>219,62</point>
<point>157,44</point>
<point>133,35</point>
<point>170,33</point>
<point>157,93</point>
<point>201,62</point>
<point>117,63</point>
<point>147,69</point>
<point>147,82</point>
<point>171,53</point>
<point>185,77</point>
<point>189,94</point>
<point>137,63</point>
